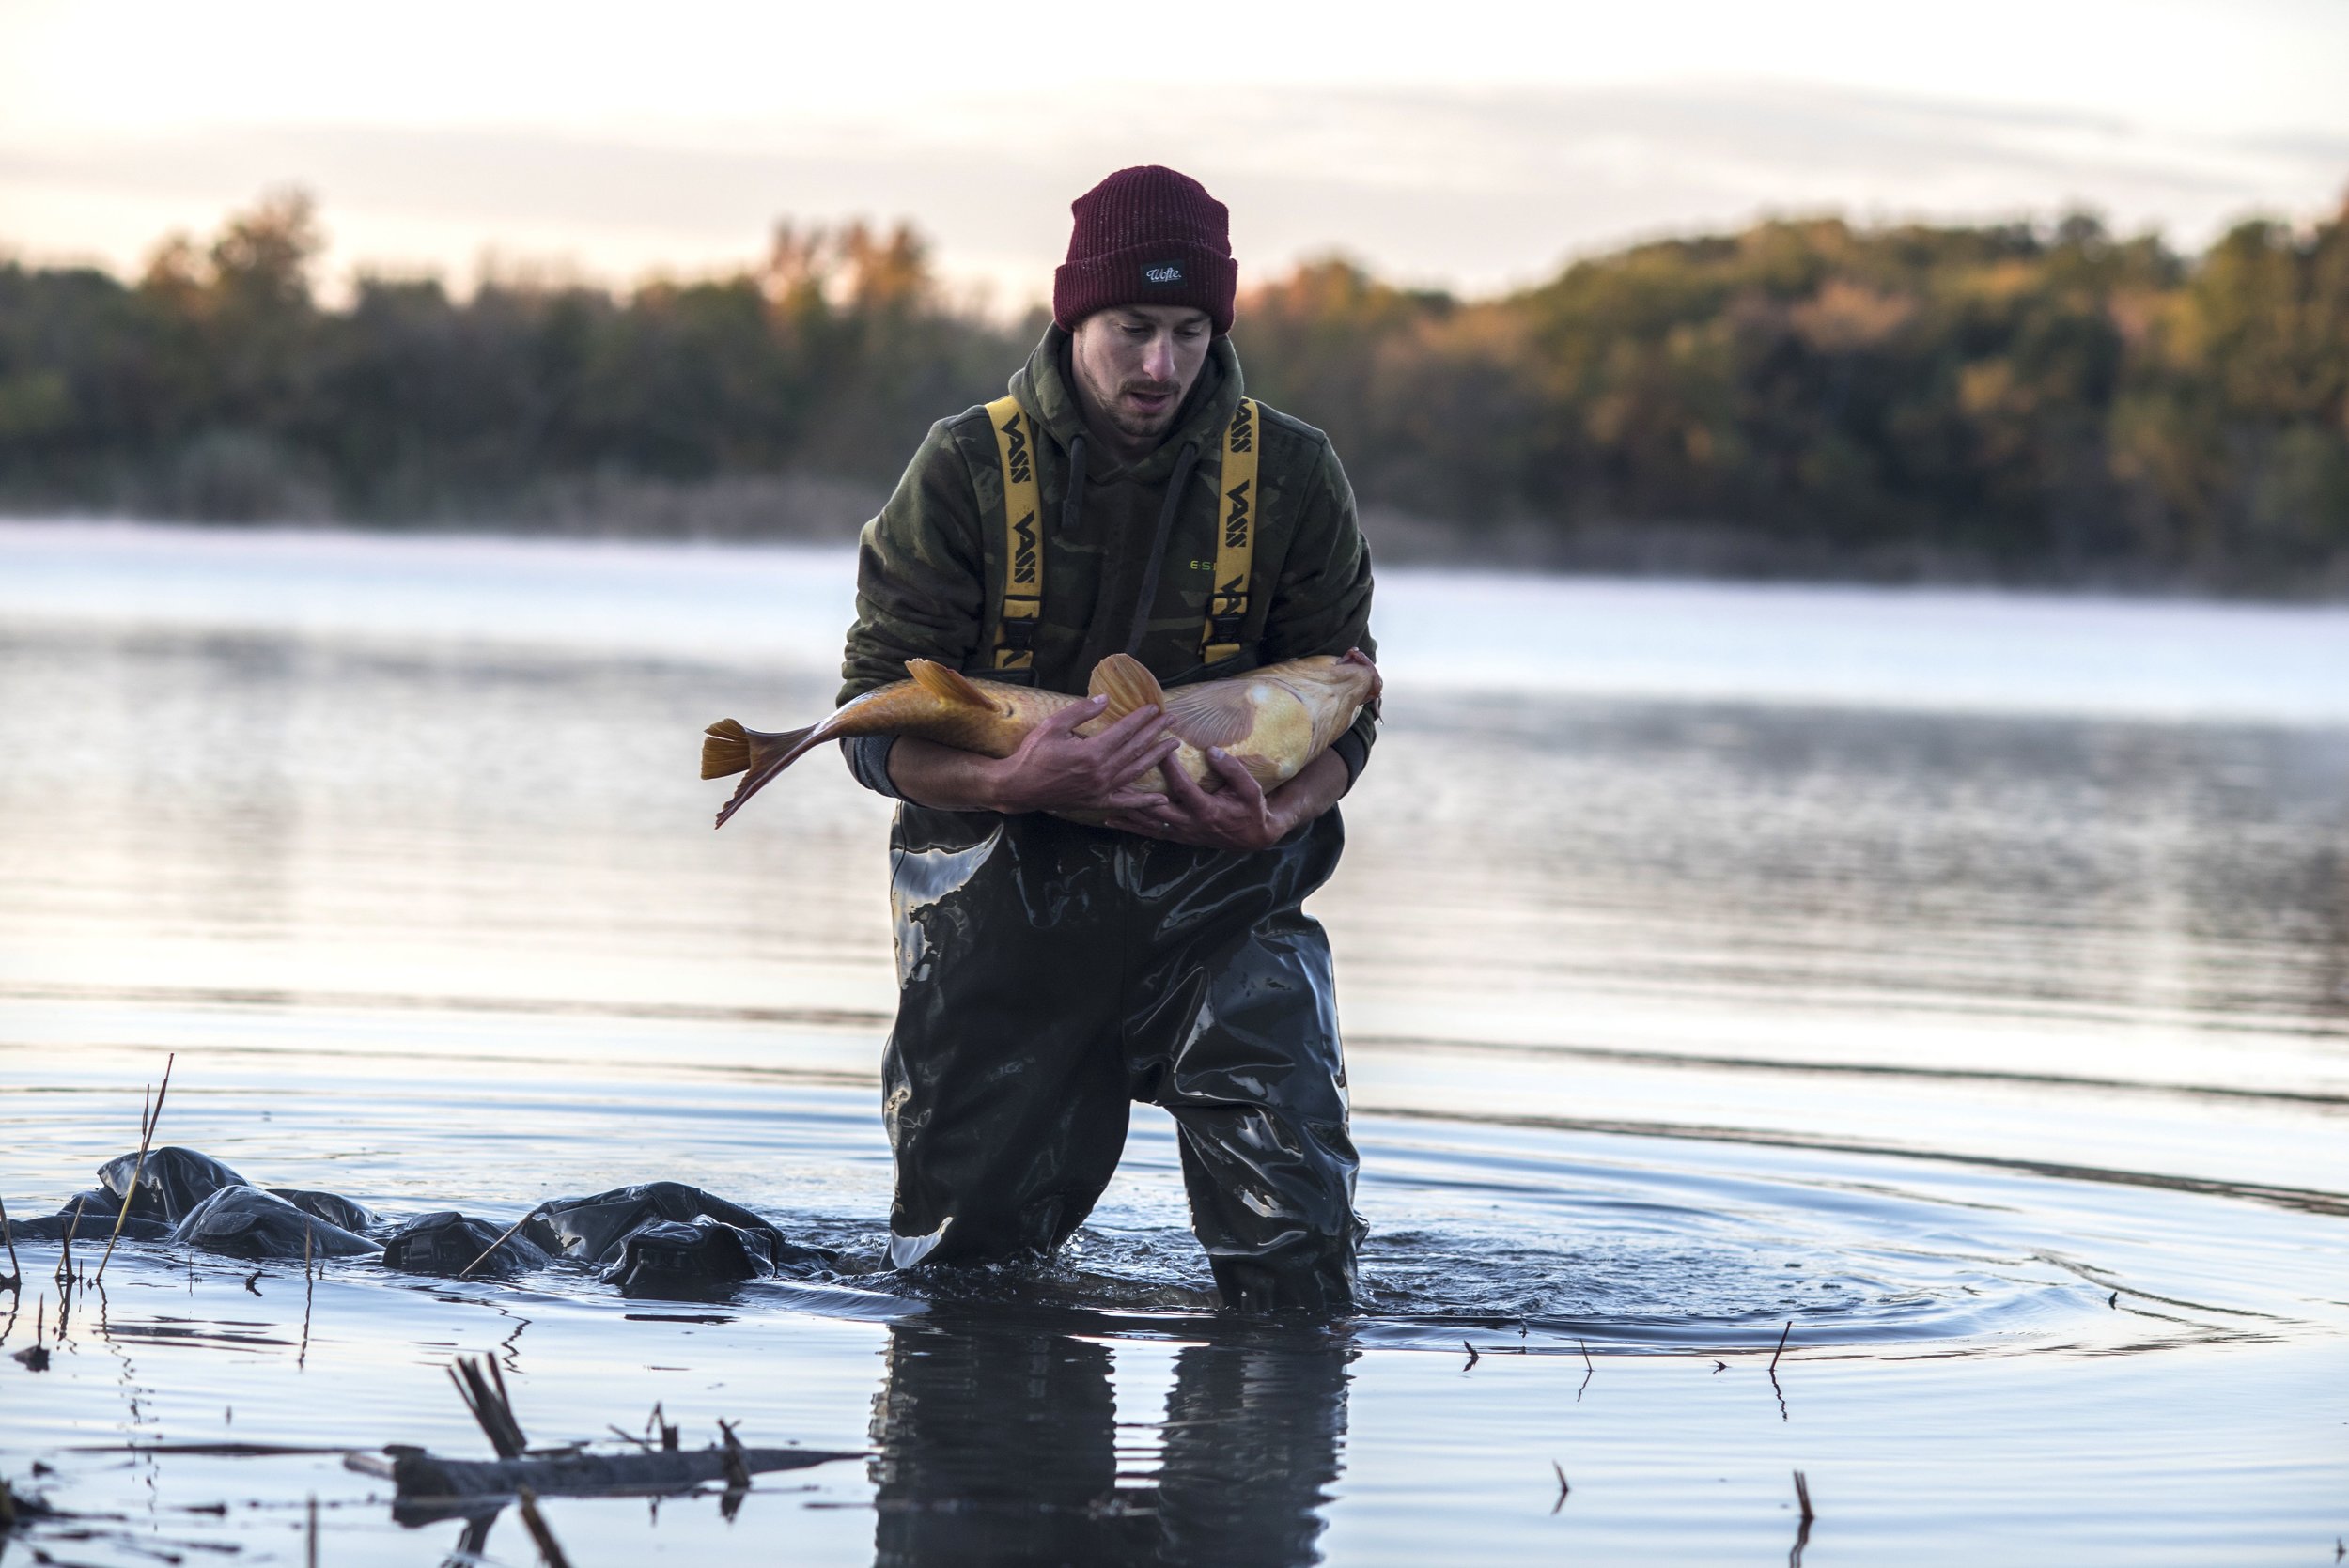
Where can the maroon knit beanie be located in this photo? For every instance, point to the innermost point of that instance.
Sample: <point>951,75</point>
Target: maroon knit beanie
<point>1147,237</point>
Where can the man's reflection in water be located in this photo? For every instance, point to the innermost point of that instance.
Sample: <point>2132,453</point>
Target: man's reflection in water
<point>998,1444</point>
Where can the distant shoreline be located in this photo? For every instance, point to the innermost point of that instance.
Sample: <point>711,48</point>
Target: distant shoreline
<point>821,510</point>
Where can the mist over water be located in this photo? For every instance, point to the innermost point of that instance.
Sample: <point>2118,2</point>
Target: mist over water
<point>1997,1039</point>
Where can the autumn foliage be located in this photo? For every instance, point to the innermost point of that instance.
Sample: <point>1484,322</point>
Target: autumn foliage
<point>2016,402</point>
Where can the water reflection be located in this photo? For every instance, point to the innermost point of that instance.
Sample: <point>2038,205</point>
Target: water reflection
<point>998,1443</point>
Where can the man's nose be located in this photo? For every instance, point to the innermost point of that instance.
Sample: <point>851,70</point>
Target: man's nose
<point>1157,358</point>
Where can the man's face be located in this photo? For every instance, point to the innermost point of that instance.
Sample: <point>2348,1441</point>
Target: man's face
<point>1135,364</point>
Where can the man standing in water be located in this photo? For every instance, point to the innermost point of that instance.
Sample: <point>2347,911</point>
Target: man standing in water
<point>1126,497</point>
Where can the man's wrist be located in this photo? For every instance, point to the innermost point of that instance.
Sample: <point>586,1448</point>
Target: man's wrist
<point>996,789</point>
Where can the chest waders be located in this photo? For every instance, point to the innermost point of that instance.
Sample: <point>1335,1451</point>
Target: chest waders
<point>1050,974</point>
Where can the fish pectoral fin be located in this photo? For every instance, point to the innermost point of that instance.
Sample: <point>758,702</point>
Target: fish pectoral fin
<point>1127,684</point>
<point>1218,713</point>
<point>949,686</point>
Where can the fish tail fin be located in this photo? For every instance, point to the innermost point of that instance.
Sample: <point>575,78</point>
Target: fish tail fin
<point>948,686</point>
<point>1127,684</point>
<point>731,748</point>
<point>726,749</point>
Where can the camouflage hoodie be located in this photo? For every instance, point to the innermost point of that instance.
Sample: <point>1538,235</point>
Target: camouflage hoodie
<point>930,566</point>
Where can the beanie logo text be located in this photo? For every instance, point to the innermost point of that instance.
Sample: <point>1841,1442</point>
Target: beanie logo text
<point>1165,272</point>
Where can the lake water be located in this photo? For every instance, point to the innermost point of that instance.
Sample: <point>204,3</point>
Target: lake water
<point>1963,978</point>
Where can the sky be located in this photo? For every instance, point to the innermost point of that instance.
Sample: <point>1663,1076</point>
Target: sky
<point>1471,144</point>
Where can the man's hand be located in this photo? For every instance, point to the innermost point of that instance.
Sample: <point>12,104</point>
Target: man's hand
<point>1238,815</point>
<point>1057,769</point>
<point>1054,769</point>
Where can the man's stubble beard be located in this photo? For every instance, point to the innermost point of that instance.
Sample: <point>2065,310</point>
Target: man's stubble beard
<point>1142,427</point>
<point>1134,427</point>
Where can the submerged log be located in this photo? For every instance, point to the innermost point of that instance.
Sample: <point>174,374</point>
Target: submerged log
<point>420,1477</point>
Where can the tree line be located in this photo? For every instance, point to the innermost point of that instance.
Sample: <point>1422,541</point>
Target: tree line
<point>2019,403</point>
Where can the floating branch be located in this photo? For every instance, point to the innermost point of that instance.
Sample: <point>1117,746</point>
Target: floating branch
<point>1802,1496</point>
<point>1562,1487</point>
<point>738,1469</point>
<point>1473,1358</point>
<point>1781,1346</point>
<point>462,1484</point>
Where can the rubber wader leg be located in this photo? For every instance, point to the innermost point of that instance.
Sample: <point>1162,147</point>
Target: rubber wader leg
<point>1005,1094</point>
<point>1240,1043</point>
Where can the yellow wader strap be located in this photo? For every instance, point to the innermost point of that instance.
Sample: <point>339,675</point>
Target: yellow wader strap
<point>1235,539</point>
<point>1023,558</point>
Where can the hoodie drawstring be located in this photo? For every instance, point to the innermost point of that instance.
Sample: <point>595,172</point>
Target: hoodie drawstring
<point>1072,504</point>
<point>1176,484</point>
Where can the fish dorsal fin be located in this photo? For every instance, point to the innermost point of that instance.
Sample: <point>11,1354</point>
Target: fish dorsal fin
<point>1218,713</point>
<point>1128,685</point>
<point>949,686</point>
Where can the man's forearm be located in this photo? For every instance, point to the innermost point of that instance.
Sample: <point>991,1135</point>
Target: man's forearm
<point>1321,785</point>
<point>943,778</point>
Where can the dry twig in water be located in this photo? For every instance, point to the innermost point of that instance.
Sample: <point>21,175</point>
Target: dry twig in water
<point>35,1357</point>
<point>501,1241</point>
<point>15,1282</point>
<point>64,1275</point>
<point>1473,1358</point>
<point>549,1549</point>
<point>148,1118</point>
<point>1562,1487</point>
<point>1782,1344</point>
<point>310,1241</point>
<point>489,1405</point>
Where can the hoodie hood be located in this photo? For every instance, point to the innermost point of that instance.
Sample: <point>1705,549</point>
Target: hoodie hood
<point>1046,388</point>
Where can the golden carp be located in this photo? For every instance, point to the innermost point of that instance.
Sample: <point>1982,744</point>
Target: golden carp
<point>1273,721</point>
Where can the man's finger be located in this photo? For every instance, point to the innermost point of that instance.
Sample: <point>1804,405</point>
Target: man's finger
<point>1135,803</point>
<point>1069,717</point>
<point>1184,792</point>
<point>1235,776</point>
<point>1129,768</point>
<point>1139,721</point>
